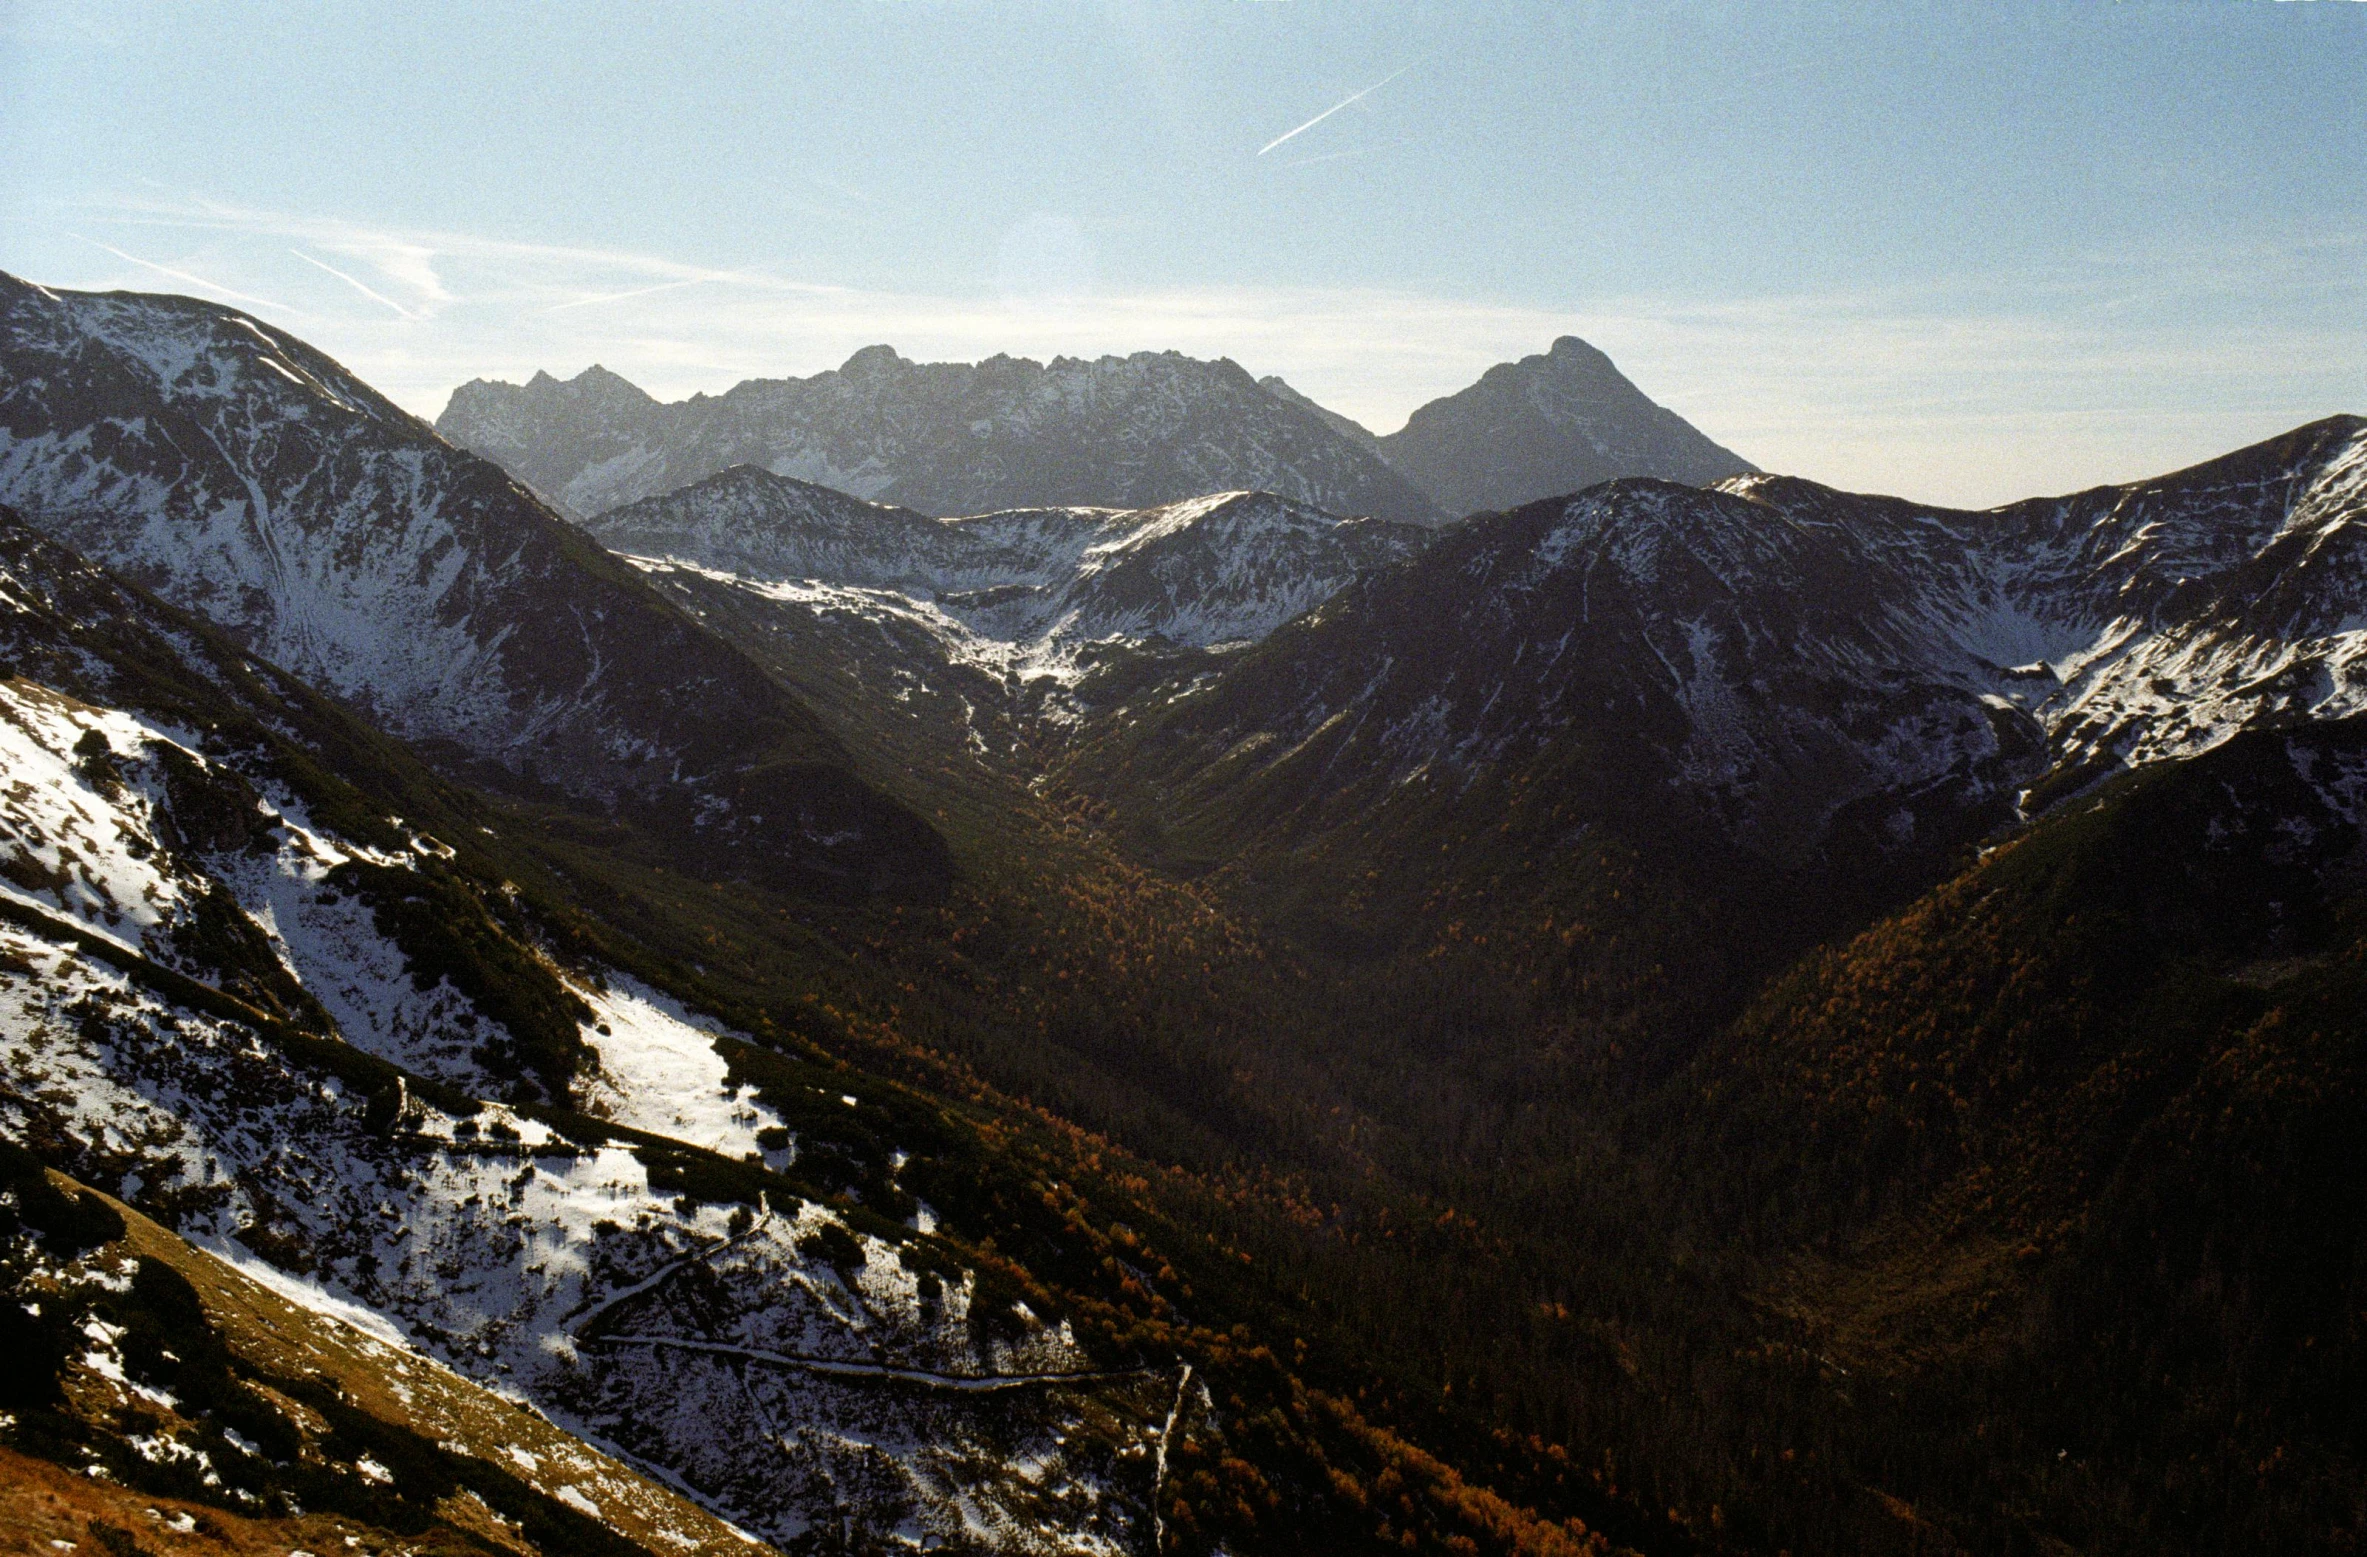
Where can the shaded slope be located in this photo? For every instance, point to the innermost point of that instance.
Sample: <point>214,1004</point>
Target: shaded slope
<point>242,474</point>
<point>2072,1145</point>
<point>1546,425</point>
<point>1838,686</point>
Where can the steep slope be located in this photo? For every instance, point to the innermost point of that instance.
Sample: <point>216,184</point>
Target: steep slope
<point>240,992</point>
<point>1347,427</point>
<point>943,438</point>
<point>263,1424</point>
<point>2069,1149</point>
<point>238,472</point>
<point>275,1036</point>
<point>1825,674</point>
<point>1547,425</point>
<point>2157,618</point>
<point>1021,595</point>
<point>1575,779</point>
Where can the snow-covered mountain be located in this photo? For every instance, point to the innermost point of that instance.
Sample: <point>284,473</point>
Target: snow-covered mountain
<point>1546,426</point>
<point>1026,592</point>
<point>941,438</point>
<point>242,474</point>
<point>1820,671</point>
<point>220,997</point>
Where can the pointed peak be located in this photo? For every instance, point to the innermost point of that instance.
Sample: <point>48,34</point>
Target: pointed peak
<point>1569,350</point>
<point>872,360</point>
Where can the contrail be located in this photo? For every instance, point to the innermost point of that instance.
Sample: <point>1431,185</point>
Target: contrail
<point>182,275</point>
<point>1335,156</point>
<point>356,285</point>
<point>618,297</point>
<point>1328,112</point>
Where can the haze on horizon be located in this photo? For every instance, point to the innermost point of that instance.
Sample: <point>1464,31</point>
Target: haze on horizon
<point>1967,254</point>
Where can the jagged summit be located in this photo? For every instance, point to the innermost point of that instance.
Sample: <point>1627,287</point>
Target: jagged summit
<point>939,437</point>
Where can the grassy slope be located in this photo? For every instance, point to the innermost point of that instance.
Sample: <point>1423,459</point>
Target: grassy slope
<point>525,1464</point>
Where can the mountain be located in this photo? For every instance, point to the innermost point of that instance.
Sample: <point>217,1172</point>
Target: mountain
<point>2065,1153</point>
<point>941,438</point>
<point>1347,427</point>
<point>1024,595</point>
<point>1820,673</point>
<point>1694,1020</point>
<point>711,1169</point>
<point>236,992</point>
<point>1544,426</point>
<point>1562,810</point>
<point>238,472</point>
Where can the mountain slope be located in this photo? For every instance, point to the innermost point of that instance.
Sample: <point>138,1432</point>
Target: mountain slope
<point>201,1370</point>
<point>942,438</point>
<point>1022,595</point>
<point>1816,669</point>
<point>1347,427</point>
<point>278,1036</point>
<point>1547,425</point>
<point>2068,1148</point>
<point>238,990</point>
<point>240,473</point>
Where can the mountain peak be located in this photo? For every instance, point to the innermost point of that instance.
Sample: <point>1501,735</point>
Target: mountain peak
<point>1570,349</point>
<point>873,361</point>
<point>945,437</point>
<point>1547,425</point>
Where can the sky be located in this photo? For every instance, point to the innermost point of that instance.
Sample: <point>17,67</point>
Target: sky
<point>1965,253</point>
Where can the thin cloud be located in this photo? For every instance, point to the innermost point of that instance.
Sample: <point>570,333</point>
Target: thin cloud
<point>376,297</point>
<point>186,276</point>
<point>1337,156</point>
<point>618,297</point>
<point>1333,109</point>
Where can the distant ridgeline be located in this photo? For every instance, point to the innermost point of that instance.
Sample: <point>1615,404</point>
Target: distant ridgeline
<point>1194,1007</point>
<point>1132,432</point>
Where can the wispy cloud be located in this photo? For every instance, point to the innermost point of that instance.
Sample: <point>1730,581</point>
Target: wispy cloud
<point>619,297</point>
<point>376,297</point>
<point>188,278</point>
<point>1338,156</point>
<point>1353,97</point>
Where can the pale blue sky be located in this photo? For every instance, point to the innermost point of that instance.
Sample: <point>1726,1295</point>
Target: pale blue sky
<point>1965,252</point>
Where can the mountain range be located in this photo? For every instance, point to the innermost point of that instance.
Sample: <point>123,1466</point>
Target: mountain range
<point>237,471</point>
<point>1693,1012</point>
<point>943,438</point>
<point>1133,432</point>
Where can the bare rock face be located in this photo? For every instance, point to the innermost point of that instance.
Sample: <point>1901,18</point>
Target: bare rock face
<point>941,438</point>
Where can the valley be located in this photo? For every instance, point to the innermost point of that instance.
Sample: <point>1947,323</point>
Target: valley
<point>1182,1001</point>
